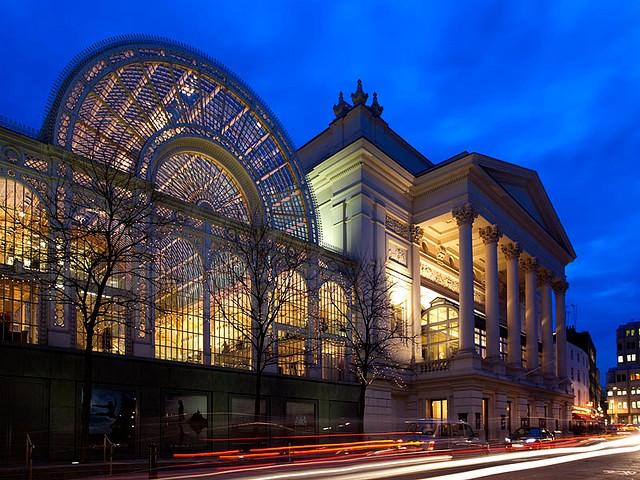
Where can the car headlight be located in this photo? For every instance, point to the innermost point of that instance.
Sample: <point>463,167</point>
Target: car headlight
<point>508,440</point>
<point>530,440</point>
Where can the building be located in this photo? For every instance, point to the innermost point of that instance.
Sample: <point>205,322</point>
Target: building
<point>472,246</point>
<point>585,379</point>
<point>623,381</point>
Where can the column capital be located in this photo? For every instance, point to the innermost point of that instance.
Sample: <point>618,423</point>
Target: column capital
<point>416,233</point>
<point>465,214</point>
<point>559,286</point>
<point>529,264</point>
<point>545,277</point>
<point>490,234</point>
<point>511,250</point>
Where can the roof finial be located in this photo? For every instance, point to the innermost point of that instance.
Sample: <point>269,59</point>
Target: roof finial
<point>376,108</point>
<point>359,97</point>
<point>342,107</point>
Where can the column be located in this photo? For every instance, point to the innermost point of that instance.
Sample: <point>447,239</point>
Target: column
<point>548,364</point>
<point>490,236</point>
<point>530,267</point>
<point>416,307</point>
<point>560,287</point>
<point>465,215</point>
<point>511,252</point>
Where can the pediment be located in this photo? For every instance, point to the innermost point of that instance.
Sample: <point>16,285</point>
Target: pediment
<point>524,187</point>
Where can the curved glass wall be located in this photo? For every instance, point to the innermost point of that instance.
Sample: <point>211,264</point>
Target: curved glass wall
<point>178,323</point>
<point>200,180</point>
<point>124,99</point>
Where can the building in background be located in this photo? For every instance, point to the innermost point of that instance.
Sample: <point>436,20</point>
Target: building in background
<point>623,381</point>
<point>585,380</point>
<point>472,246</point>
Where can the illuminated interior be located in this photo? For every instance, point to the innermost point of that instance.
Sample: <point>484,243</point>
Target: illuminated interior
<point>333,327</point>
<point>22,249</point>
<point>179,324</point>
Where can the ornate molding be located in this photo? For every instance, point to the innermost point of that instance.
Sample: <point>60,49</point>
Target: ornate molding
<point>416,233</point>
<point>545,277</point>
<point>559,286</point>
<point>399,228</point>
<point>448,281</point>
<point>465,214</point>
<point>398,254</point>
<point>529,264</point>
<point>490,235</point>
<point>511,250</point>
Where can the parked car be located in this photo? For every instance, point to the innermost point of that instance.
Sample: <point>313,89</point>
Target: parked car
<point>432,434</point>
<point>531,438</point>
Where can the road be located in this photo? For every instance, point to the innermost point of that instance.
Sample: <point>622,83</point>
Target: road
<point>597,460</point>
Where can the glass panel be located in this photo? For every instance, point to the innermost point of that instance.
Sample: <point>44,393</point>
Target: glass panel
<point>179,307</point>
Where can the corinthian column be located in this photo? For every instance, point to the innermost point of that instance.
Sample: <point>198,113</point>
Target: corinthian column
<point>548,365</point>
<point>560,287</point>
<point>530,267</point>
<point>465,215</point>
<point>490,236</point>
<point>511,252</point>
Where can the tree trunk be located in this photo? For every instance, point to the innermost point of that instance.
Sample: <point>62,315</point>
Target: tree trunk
<point>361,406</point>
<point>87,392</point>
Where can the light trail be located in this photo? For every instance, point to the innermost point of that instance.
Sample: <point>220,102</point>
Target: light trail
<point>421,464</point>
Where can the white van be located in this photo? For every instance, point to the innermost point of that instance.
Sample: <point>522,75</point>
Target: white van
<point>433,434</point>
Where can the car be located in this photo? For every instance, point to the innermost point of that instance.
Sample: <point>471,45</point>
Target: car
<point>530,438</point>
<point>435,434</point>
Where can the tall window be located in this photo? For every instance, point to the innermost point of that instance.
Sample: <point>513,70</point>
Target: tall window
<point>290,296</point>
<point>440,330</point>
<point>178,332</point>
<point>439,409</point>
<point>230,313</point>
<point>22,249</point>
<point>110,330</point>
<point>21,221</point>
<point>333,328</point>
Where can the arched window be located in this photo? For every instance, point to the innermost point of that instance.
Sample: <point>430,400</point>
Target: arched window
<point>290,298</point>
<point>440,330</point>
<point>178,330</point>
<point>231,333</point>
<point>23,248</point>
<point>200,180</point>
<point>333,326</point>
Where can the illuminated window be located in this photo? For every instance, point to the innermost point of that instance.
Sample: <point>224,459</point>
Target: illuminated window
<point>290,296</point>
<point>19,303</point>
<point>23,228</point>
<point>333,327</point>
<point>231,333</point>
<point>439,409</point>
<point>178,332</point>
<point>620,358</point>
<point>480,340</point>
<point>110,329</point>
<point>440,331</point>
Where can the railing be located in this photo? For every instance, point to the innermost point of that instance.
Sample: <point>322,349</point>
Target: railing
<point>433,366</point>
<point>107,443</point>
<point>30,447</point>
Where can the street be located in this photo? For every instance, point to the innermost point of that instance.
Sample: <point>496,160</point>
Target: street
<point>596,459</point>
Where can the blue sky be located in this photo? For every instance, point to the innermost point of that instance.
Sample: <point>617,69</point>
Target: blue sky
<point>550,85</point>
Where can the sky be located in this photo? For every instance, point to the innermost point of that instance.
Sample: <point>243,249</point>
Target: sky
<point>553,86</point>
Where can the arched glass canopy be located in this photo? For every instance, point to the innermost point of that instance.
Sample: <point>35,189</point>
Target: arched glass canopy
<point>126,98</point>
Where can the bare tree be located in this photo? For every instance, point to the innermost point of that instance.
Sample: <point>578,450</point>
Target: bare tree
<point>97,221</point>
<point>372,328</point>
<point>259,304</point>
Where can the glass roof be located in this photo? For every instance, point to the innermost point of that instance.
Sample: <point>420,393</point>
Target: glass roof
<point>125,98</point>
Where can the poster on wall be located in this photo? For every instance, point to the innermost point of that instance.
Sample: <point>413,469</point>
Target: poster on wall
<point>301,416</point>
<point>185,420</point>
<point>113,413</point>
